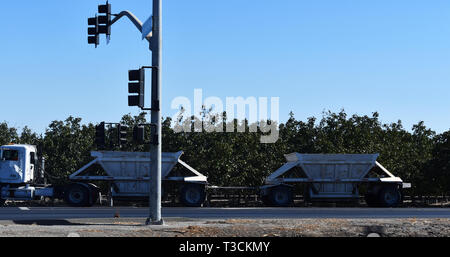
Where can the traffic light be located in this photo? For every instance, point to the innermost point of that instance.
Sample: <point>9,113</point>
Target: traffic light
<point>104,20</point>
<point>100,24</point>
<point>138,134</point>
<point>93,32</point>
<point>136,86</point>
<point>100,135</point>
<point>122,134</point>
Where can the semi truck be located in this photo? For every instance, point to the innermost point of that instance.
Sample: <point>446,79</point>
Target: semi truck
<point>23,177</point>
<point>320,177</point>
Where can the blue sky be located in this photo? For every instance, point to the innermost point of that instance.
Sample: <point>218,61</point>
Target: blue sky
<point>364,56</point>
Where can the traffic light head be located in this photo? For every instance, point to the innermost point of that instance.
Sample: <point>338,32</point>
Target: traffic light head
<point>138,134</point>
<point>100,24</point>
<point>136,86</point>
<point>93,31</point>
<point>100,135</point>
<point>105,20</point>
<point>122,134</point>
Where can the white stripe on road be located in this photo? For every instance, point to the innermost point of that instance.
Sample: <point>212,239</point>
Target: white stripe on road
<point>24,208</point>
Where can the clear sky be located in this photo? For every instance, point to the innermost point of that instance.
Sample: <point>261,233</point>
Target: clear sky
<point>364,56</point>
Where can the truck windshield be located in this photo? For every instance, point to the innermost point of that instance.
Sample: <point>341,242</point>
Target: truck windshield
<point>10,155</point>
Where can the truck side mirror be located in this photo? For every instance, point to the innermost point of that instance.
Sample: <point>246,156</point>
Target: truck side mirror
<point>32,158</point>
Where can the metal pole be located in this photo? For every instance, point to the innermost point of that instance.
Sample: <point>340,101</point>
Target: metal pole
<point>156,138</point>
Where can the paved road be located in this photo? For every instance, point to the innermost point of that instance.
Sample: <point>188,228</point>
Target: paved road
<point>62,213</point>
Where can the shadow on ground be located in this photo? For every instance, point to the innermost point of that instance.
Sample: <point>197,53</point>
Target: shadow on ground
<point>49,223</point>
<point>62,222</point>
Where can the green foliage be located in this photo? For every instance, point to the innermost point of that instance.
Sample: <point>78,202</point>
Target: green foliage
<point>418,156</point>
<point>437,169</point>
<point>29,137</point>
<point>7,135</point>
<point>66,147</point>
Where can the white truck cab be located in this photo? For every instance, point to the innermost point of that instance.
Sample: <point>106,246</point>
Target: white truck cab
<point>17,164</point>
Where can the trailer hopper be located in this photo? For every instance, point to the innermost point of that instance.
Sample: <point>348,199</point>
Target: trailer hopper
<point>334,177</point>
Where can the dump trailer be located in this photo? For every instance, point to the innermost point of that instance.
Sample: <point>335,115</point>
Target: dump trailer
<point>333,178</point>
<point>22,177</point>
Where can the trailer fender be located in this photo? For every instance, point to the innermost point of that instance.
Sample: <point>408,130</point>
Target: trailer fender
<point>265,190</point>
<point>87,192</point>
<point>94,193</point>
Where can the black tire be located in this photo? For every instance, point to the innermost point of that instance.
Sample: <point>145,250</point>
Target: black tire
<point>281,196</point>
<point>389,196</point>
<point>77,195</point>
<point>192,195</point>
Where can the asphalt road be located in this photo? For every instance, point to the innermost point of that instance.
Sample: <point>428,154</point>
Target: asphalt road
<point>63,213</point>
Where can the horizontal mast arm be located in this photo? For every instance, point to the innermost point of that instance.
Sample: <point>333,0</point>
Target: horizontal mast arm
<point>133,19</point>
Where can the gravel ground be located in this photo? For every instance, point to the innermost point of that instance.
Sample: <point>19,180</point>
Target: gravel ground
<point>232,228</point>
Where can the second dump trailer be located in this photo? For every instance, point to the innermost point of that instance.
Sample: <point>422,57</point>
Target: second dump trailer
<point>333,177</point>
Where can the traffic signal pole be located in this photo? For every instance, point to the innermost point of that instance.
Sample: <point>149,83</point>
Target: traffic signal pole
<point>103,26</point>
<point>156,135</point>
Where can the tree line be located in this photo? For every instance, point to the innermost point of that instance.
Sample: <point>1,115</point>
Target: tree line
<point>420,155</point>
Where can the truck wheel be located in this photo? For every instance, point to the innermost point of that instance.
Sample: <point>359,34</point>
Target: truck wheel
<point>77,195</point>
<point>281,196</point>
<point>193,195</point>
<point>390,196</point>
